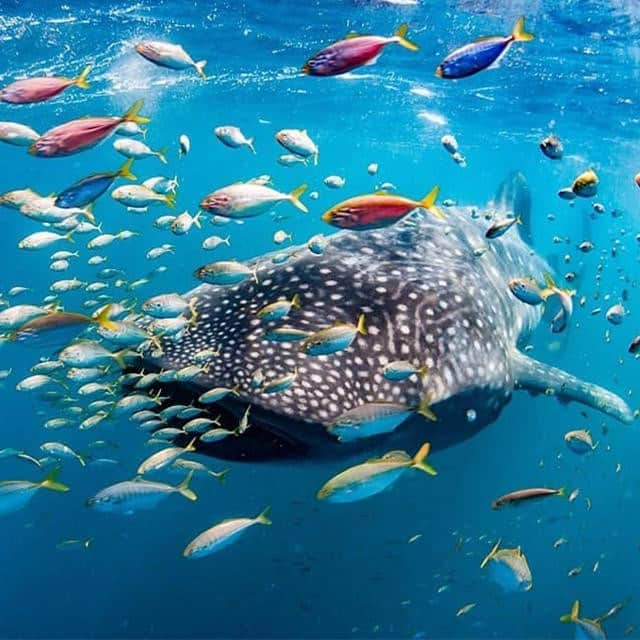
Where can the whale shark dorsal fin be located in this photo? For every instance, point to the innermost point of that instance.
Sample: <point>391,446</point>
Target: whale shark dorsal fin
<point>513,196</point>
<point>532,375</point>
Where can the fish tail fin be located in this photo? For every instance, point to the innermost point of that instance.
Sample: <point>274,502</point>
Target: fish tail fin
<point>194,312</point>
<point>69,236</point>
<point>227,241</point>
<point>162,155</point>
<point>170,200</point>
<point>400,35</point>
<point>519,34</point>
<point>82,459</point>
<point>295,198</point>
<point>490,555</point>
<point>118,356</point>
<point>103,318</point>
<point>420,458</point>
<point>361,327</point>
<point>295,301</point>
<point>132,114</point>
<point>183,488</point>
<point>254,273</point>
<point>125,170</point>
<point>562,492</point>
<point>196,219</point>
<point>315,159</point>
<point>51,482</point>
<point>88,213</point>
<point>429,203</point>
<point>573,615</point>
<point>250,145</point>
<point>192,445</point>
<point>424,408</point>
<point>263,518</point>
<point>220,476</point>
<point>81,80</point>
<point>422,371</point>
<point>200,65</point>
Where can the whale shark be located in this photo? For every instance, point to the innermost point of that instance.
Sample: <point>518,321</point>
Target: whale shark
<point>433,293</point>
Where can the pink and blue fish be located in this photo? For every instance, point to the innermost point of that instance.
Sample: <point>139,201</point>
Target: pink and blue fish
<point>352,52</point>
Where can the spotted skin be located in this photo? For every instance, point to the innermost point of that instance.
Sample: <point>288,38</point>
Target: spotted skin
<point>427,299</point>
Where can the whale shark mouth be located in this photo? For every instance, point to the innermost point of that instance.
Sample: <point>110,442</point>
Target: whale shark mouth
<point>428,296</point>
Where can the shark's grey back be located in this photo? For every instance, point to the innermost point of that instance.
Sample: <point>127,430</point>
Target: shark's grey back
<point>429,296</point>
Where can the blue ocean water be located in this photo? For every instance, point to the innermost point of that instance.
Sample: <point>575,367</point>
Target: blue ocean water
<point>324,570</point>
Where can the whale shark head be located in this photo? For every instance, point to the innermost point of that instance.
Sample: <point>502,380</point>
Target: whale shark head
<point>433,293</point>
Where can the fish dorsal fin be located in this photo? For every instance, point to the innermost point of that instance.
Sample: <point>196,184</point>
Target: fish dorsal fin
<point>381,192</point>
<point>537,377</point>
<point>485,38</point>
<point>352,34</point>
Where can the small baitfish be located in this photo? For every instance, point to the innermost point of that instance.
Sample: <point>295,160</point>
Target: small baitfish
<point>132,495</point>
<point>579,441</point>
<point>515,497</point>
<point>374,476</point>
<point>335,338</point>
<point>375,418</point>
<point>246,200</point>
<point>16,494</point>
<point>225,272</point>
<point>509,568</point>
<point>299,143</point>
<point>586,629</point>
<point>222,535</point>
<point>170,56</point>
<point>233,137</point>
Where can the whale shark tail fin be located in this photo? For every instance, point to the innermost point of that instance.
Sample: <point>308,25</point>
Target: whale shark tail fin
<point>513,196</point>
<point>537,377</point>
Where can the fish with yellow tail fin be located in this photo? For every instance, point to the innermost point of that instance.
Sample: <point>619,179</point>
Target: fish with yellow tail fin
<point>376,418</point>
<point>279,309</point>
<point>15,494</point>
<point>565,296</point>
<point>133,495</point>
<point>508,568</point>
<point>374,476</point>
<point>585,629</point>
<point>40,89</point>
<point>335,338</point>
<point>377,210</point>
<point>248,199</point>
<point>222,535</point>
<point>58,327</point>
<point>77,135</point>
<point>481,54</point>
<point>354,51</point>
<point>89,189</point>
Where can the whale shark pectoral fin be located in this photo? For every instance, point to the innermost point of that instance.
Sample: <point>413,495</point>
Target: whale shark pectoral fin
<point>532,375</point>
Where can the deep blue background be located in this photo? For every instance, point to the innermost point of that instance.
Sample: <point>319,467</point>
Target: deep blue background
<point>336,570</point>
